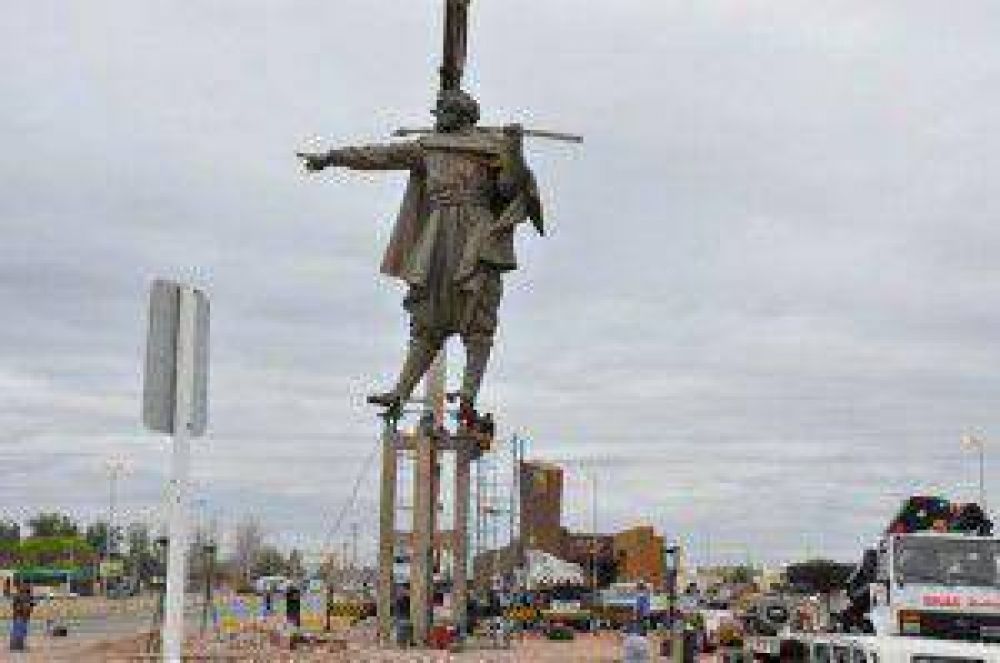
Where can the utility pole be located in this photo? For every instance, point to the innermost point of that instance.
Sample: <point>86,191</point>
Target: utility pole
<point>354,545</point>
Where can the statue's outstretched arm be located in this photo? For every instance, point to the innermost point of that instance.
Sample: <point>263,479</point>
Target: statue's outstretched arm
<point>392,156</point>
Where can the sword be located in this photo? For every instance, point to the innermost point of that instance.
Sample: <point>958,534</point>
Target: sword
<point>530,133</point>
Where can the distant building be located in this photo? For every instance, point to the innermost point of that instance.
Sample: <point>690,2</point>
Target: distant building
<point>541,507</point>
<point>639,556</point>
<point>633,555</point>
<point>770,579</point>
<point>594,552</point>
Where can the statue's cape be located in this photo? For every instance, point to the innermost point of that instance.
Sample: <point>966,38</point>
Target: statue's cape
<point>524,203</point>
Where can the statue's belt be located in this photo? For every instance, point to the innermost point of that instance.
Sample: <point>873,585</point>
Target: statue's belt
<point>461,198</point>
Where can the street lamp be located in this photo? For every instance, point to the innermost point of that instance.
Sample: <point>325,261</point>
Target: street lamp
<point>978,444</point>
<point>208,550</point>
<point>672,554</point>
<point>114,467</point>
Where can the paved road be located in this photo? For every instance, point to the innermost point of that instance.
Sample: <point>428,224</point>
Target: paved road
<point>84,632</point>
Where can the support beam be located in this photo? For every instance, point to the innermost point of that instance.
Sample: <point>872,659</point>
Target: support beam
<point>387,534</point>
<point>421,563</point>
<point>460,549</point>
<point>425,502</point>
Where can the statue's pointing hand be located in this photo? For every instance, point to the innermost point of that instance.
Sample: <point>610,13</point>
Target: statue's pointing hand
<point>313,162</point>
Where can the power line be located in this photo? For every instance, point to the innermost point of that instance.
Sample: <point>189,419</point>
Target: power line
<point>349,504</point>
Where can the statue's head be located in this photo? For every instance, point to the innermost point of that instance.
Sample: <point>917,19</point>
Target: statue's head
<point>455,110</point>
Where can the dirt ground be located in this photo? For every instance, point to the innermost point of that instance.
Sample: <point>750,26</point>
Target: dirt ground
<point>268,648</point>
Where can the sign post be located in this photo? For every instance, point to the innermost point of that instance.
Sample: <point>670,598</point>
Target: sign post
<point>175,402</point>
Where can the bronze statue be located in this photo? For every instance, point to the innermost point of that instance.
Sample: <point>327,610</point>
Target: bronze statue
<point>469,189</point>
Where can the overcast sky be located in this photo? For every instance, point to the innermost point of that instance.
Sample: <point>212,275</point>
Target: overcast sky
<point>766,311</point>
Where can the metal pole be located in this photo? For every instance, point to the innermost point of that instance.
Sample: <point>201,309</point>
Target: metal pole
<point>344,568</point>
<point>114,467</point>
<point>354,545</point>
<point>519,456</point>
<point>460,575</point>
<point>208,552</point>
<point>112,472</point>
<point>477,522</point>
<point>173,623</point>
<point>593,529</point>
<point>982,474</point>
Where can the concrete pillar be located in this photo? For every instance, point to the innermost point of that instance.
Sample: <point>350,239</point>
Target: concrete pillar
<point>386,534</point>
<point>425,501</point>
<point>421,565</point>
<point>460,546</point>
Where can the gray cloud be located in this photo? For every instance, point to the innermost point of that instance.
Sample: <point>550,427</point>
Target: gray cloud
<point>766,311</point>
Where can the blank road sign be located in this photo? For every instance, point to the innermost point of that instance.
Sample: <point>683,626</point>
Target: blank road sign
<point>160,378</point>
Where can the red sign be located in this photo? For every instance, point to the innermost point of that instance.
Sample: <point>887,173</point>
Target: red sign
<point>956,601</point>
<point>942,601</point>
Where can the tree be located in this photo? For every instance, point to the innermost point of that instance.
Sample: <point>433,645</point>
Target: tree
<point>296,569</point>
<point>819,576</point>
<point>97,535</point>
<point>53,524</point>
<point>197,559</point>
<point>10,531</point>
<point>269,562</point>
<point>249,541</point>
<point>331,570</point>
<point>741,574</point>
<point>70,551</point>
<point>140,561</point>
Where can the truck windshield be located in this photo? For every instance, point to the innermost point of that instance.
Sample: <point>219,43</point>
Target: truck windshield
<point>947,561</point>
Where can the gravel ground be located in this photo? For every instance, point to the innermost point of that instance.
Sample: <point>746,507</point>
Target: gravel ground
<point>270,648</point>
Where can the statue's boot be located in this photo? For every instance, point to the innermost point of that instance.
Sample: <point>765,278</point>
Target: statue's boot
<point>418,359</point>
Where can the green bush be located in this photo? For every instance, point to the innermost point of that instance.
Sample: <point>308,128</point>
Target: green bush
<point>561,633</point>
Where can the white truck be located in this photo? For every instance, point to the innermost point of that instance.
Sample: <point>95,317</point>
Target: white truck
<point>927,592</point>
<point>936,585</point>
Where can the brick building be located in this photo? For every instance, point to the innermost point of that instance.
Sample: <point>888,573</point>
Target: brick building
<point>639,556</point>
<point>541,506</point>
<point>628,556</point>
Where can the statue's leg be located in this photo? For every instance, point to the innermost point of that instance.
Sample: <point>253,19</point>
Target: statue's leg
<point>419,358</point>
<point>477,356</point>
<point>425,342</point>
<point>477,335</point>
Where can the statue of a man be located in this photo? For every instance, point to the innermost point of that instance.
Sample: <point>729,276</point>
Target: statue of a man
<point>469,189</point>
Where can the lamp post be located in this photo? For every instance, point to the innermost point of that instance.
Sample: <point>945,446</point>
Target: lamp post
<point>593,530</point>
<point>208,550</point>
<point>672,553</point>
<point>978,444</point>
<point>114,467</point>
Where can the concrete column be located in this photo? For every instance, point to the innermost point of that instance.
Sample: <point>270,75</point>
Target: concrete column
<point>460,546</point>
<point>421,565</point>
<point>386,534</point>
<point>425,501</point>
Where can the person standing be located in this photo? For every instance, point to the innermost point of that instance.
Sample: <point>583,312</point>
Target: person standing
<point>642,606</point>
<point>22,606</point>
<point>293,606</point>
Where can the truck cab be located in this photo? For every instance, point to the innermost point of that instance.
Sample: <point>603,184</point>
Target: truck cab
<point>937,585</point>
